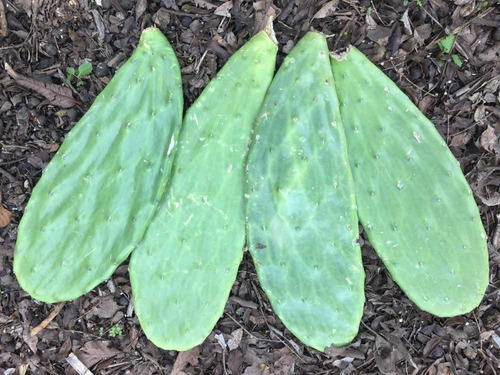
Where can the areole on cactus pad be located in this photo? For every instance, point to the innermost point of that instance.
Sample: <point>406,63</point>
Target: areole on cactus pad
<point>97,195</point>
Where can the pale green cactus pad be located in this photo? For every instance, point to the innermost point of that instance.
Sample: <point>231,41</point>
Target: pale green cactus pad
<point>413,200</point>
<point>183,270</point>
<point>302,221</point>
<point>97,195</point>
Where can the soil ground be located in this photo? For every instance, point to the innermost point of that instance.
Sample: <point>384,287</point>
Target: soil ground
<point>457,89</point>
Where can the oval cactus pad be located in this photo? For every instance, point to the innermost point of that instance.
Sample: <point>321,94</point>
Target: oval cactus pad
<point>302,221</point>
<point>183,270</point>
<point>413,200</point>
<point>97,195</point>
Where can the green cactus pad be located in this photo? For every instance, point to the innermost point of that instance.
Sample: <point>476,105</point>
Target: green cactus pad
<point>96,196</point>
<point>183,270</point>
<point>413,200</point>
<point>302,221</point>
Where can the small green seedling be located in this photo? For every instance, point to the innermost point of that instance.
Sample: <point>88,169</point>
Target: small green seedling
<point>83,70</point>
<point>457,60</point>
<point>419,3</point>
<point>116,330</point>
<point>483,5</point>
<point>446,45</point>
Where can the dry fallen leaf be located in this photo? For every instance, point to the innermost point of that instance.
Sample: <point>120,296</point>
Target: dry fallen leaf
<point>385,356</point>
<point>490,54</point>
<point>78,41</point>
<point>282,362</point>
<point>467,9</point>
<point>5,216</point>
<point>486,335</point>
<point>443,369</point>
<point>264,11</point>
<point>255,361</point>
<point>326,10</point>
<point>460,139</point>
<point>224,9</point>
<point>52,147</point>
<point>234,341</point>
<point>480,114</point>
<point>489,139</point>
<point>406,22</point>
<point>57,95</point>
<point>24,5</point>
<point>95,351</point>
<point>191,356</point>
<point>334,351</point>
<point>490,200</point>
<point>107,308</point>
<point>259,5</point>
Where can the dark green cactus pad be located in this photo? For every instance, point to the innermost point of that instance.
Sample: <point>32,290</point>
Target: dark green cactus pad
<point>183,270</point>
<point>302,221</point>
<point>413,200</point>
<point>97,195</point>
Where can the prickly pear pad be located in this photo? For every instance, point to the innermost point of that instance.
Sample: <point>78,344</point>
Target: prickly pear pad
<point>96,196</point>
<point>413,200</point>
<point>183,270</point>
<point>302,222</point>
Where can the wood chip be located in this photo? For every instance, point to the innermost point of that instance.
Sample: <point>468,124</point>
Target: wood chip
<point>99,23</point>
<point>3,21</point>
<point>140,8</point>
<point>244,303</point>
<point>496,235</point>
<point>77,365</point>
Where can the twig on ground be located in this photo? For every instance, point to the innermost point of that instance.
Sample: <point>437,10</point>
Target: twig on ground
<point>47,320</point>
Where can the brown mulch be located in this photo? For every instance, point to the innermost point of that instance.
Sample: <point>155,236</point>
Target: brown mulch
<point>40,39</point>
